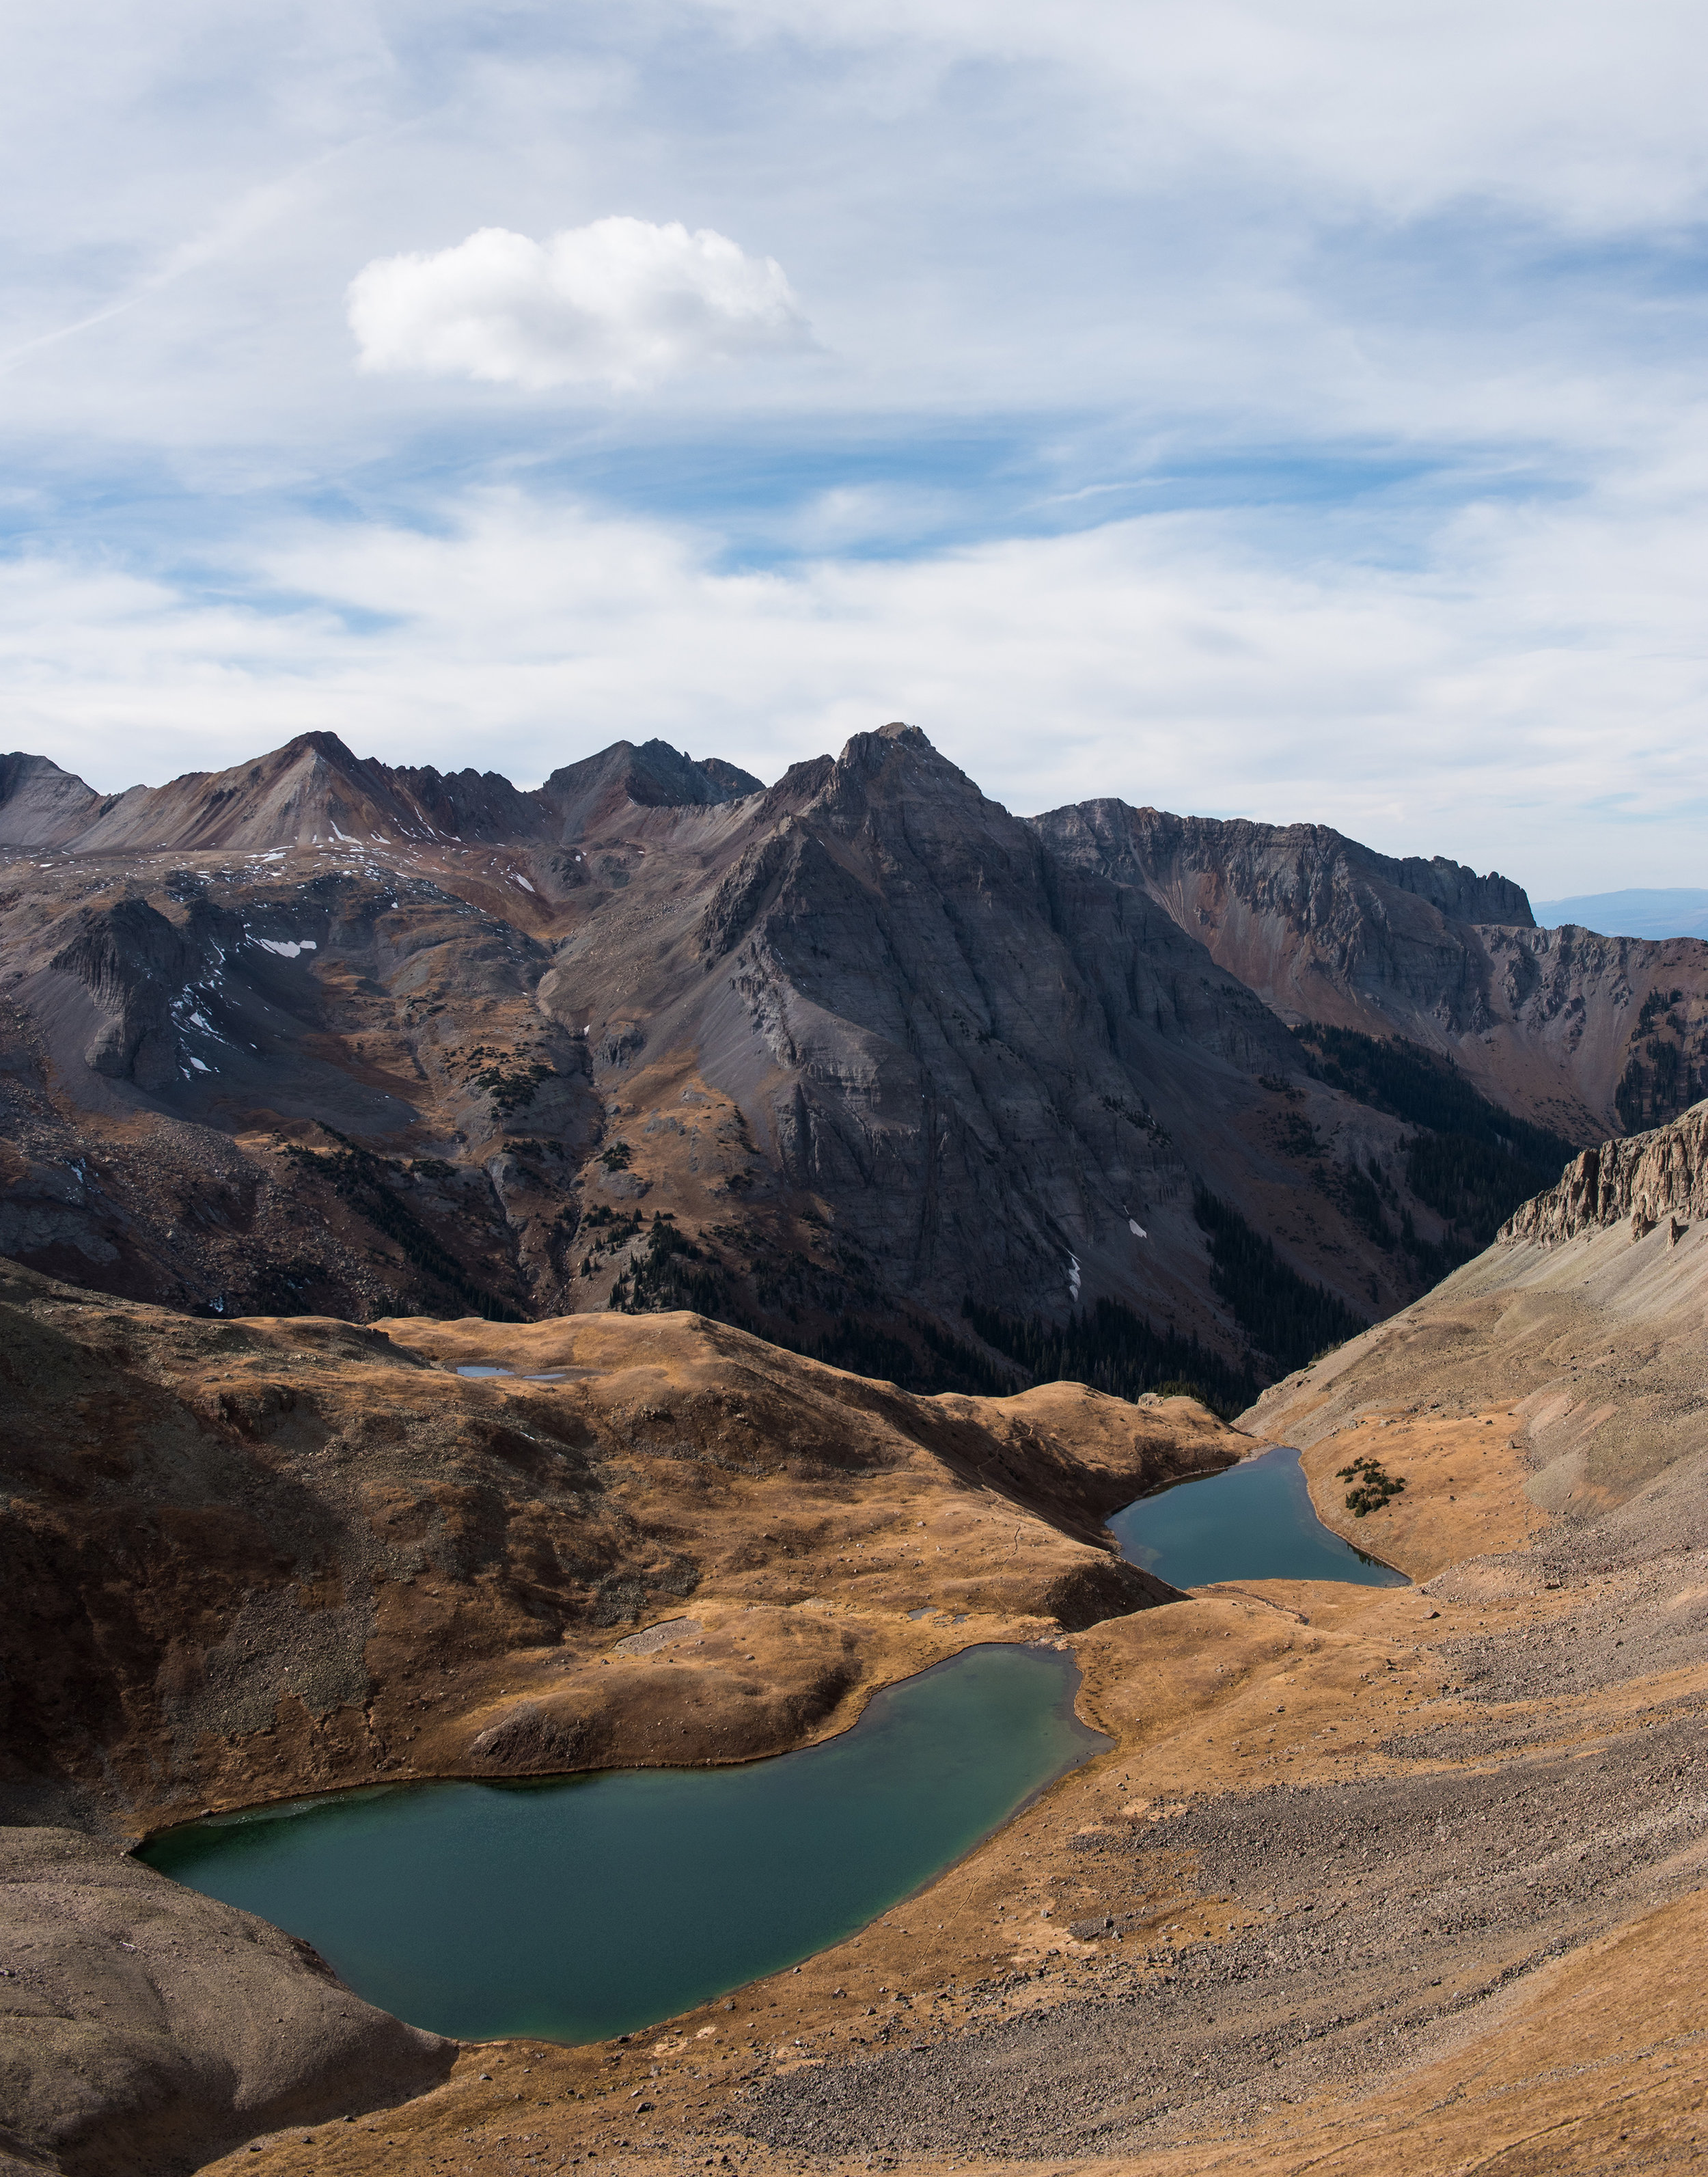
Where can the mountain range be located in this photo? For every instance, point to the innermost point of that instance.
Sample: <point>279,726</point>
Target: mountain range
<point>859,1060</point>
<point>1640,911</point>
<point>1394,1876</point>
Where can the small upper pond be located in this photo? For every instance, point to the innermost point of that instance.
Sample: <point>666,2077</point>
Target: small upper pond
<point>478,1369</point>
<point>573,1908</point>
<point>1252,1521</point>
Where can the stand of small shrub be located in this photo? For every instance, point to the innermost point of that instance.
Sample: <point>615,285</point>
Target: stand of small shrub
<point>1372,1486</point>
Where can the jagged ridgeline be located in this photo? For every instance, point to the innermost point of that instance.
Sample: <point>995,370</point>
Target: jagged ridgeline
<point>317,1034</point>
<point>1470,1162</point>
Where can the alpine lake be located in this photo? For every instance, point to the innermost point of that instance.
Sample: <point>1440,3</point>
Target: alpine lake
<point>575,1909</point>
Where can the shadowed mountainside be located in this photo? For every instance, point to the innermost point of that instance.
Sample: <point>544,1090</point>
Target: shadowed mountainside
<point>1579,1033</point>
<point>860,1061</point>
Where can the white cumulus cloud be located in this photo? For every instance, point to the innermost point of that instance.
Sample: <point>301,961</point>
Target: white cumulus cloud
<point>620,302</point>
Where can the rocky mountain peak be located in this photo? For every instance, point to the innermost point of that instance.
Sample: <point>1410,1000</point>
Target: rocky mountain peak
<point>589,796</point>
<point>327,745</point>
<point>40,805</point>
<point>313,791</point>
<point>898,768</point>
<point>880,747</point>
<point>1659,1178</point>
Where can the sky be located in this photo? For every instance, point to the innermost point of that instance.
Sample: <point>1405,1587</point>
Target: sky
<point>1293,411</point>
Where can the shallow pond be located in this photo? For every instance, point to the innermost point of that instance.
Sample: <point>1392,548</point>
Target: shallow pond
<point>478,1370</point>
<point>576,1908</point>
<point>1252,1521</point>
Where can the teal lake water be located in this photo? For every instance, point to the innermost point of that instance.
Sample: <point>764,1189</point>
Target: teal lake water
<point>1252,1521</point>
<point>576,1908</point>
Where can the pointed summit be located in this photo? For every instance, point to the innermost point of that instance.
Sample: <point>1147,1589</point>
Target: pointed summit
<point>40,805</point>
<point>313,791</point>
<point>591,796</point>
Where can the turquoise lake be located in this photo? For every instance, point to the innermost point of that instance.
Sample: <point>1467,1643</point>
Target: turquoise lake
<point>1252,1521</point>
<point>574,1909</point>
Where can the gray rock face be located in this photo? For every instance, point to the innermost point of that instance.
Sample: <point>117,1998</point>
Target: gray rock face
<point>1655,1179</point>
<point>145,2027</point>
<point>966,1039</point>
<point>316,1032</point>
<point>1308,919</point>
<point>133,962</point>
<point>1316,876</point>
<point>40,804</point>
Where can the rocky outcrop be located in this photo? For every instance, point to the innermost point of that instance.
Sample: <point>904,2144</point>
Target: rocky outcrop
<point>1652,1179</point>
<point>1551,1023</point>
<point>133,962</point>
<point>144,2027</point>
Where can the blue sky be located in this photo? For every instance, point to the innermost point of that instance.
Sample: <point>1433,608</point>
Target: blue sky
<point>1288,412</point>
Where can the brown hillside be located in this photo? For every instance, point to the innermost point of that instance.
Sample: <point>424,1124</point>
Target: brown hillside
<point>247,1560</point>
<point>1372,1880</point>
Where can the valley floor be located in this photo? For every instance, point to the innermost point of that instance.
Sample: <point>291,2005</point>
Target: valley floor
<point>1396,1880</point>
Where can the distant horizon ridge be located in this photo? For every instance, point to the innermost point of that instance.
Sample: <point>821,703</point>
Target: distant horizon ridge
<point>716,779</point>
<point>1647,911</point>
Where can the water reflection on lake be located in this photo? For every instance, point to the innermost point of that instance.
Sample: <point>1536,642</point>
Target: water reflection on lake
<point>1252,1521</point>
<point>577,1907</point>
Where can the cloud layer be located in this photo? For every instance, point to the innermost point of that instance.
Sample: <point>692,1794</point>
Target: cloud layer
<point>1528,697</point>
<point>1358,348</point>
<point>619,302</point>
<point>1585,114</point>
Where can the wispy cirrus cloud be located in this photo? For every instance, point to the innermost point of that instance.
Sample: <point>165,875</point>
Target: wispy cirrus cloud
<point>1584,115</point>
<point>1359,348</point>
<point>620,301</point>
<point>1459,705</point>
